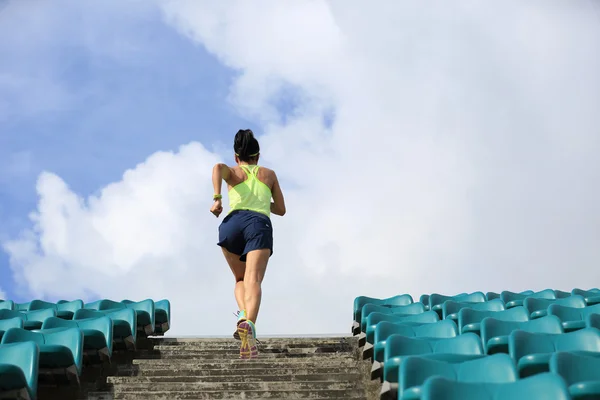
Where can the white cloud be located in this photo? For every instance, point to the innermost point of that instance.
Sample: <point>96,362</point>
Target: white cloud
<point>2,295</point>
<point>462,157</point>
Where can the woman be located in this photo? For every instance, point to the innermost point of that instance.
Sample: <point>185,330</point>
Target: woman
<point>246,233</point>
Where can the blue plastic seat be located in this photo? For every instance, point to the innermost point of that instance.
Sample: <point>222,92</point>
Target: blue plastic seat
<point>591,296</point>
<point>19,369</point>
<point>463,347</point>
<point>546,386</point>
<point>374,318</point>
<point>21,306</point>
<point>469,320</point>
<point>144,310</point>
<point>31,319</point>
<point>539,307</point>
<point>368,309</point>
<point>512,299</point>
<point>436,300</point>
<point>162,309</point>
<point>451,308</point>
<point>361,301</point>
<point>7,305</point>
<point>494,332</point>
<point>561,294</point>
<point>424,299</point>
<point>6,324</point>
<point>593,321</point>
<point>60,348</point>
<point>415,370</point>
<point>97,333</point>
<point>124,323</point>
<point>65,309</point>
<point>440,329</point>
<point>573,318</point>
<point>581,373</point>
<point>532,351</point>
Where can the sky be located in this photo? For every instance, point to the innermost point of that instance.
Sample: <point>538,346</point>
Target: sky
<point>422,147</point>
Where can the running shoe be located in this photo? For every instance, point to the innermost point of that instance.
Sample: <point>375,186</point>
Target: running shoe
<point>247,332</point>
<point>241,316</point>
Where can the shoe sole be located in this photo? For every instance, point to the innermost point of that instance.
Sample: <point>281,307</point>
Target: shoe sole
<point>248,348</point>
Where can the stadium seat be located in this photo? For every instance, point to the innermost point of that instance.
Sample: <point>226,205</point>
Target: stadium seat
<point>591,296</point>
<point>361,301</point>
<point>532,351</point>
<point>415,370</point>
<point>21,306</point>
<point>409,309</point>
<point>469,320</point>
<point>546,386</point>
<point>124,323</point>
<point>374,318</point>
<point>162,309</point>
<point>436,300</point>
<point>494,332</point>
<point>539,307</point>
<point>397,347</point>
<point>59,348</point>
<point>64,310</point>
<point>144,310</point>
<point>19,370</point>
<point>94,305</point>
<point>97,333</point>
<point>560,294</point>
<point>32,319</point>
<point>451,308</point>
<point>573,318</point>
<point>440,329</point>
<point>581,373</point>
<point>7,305</point>
<point>512,299</point>
<point>6,324</point>
<point>592,321</point>
<point>424,299</point>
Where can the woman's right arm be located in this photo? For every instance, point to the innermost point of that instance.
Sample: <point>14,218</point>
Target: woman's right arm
<point>278,204</point>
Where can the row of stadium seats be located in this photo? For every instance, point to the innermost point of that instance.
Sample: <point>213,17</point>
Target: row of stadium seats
<point>515,345</point>
<point>42,337</point>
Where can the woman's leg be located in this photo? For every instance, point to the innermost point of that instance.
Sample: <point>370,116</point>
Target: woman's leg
<point>239,269</point>
<point>256,265</point>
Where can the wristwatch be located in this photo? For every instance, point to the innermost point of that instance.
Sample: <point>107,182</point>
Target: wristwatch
<point>217,197</point>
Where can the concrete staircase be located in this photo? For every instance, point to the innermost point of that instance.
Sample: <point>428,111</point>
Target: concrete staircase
<point>287,368</point>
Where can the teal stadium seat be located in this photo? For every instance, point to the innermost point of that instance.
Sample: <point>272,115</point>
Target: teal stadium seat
<point>591,296</point>
<point>144,310</point>
<point>440,329</point>
<point>162,315</point>
<point>374,318</point>
<point>19,370</point>
<point>561,294</point>
<point>451,308</point>
<point>493,295</point>
<point>532,351</point>
<point>124,323</point>
<point>436,300</point>
<point>97,333</point>
<point>7,305</point>
<point>361,301</point>
<point>21,306</point>
<point>545,386</point>
<point>6,324</point>
<point>539,307</point>
<point>409,309</point>
<point>415,370</point>
<point>59,348</point>
<point>31,319</point>
<point>581,373</point>
<point>593,321</point>
<point>424,299</point>
<point>469,320</point>
<point>463,347</point>
<point>494,332</point>
<point>65,309</point>
<point>573,318</point>
<point>512,299</point>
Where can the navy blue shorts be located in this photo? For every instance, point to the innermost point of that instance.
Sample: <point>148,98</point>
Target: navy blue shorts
<point>243,231</point>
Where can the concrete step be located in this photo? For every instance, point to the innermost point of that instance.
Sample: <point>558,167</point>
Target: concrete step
<point>326,375</point>
<point>230,394</point>
<point>134,385</point>
<point>275,363</point>
<point>289,342</point>
<point>206,355</point>
<point>230,373</point>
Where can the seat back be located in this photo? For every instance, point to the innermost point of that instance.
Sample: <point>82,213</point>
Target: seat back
<point>492,327</point>
<point>6,324</point>
<point>361,301</point>
<point>522,343</point>
<point>7,305</point>
<point>469,316</point>
<point>436,299</point>
<point>71,338</point>
<point>368,309</point>
<point>26,356</point>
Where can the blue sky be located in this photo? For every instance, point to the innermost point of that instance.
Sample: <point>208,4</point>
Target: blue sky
<point>421,149</point>
<point>119,111</point>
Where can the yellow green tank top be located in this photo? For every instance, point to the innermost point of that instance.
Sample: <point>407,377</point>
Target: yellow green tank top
<point>252,194</point>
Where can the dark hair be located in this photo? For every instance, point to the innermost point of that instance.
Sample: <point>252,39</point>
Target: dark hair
<point>245,145</point>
